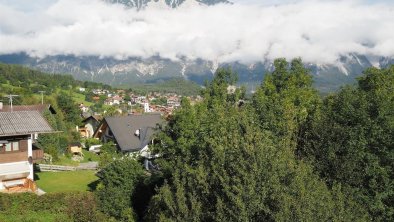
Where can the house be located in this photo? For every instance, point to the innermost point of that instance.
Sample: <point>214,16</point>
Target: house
<point>91,123</point>
<point>117,100</point>
<point>131,134</point>
<point>17,130</point>
<point>83,108</point>
<point>147,108</point>
<point>173,101</point>
<point>41,108</point>
<point>109,102</point>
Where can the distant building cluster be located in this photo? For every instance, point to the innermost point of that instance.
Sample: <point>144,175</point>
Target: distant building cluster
<point>133,103</point>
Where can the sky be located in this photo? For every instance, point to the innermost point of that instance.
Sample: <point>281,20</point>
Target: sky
<point>248,31</point>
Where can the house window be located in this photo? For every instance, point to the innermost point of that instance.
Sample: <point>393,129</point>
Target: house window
<point>8,147</point>
<point>15,146</point>
<point>11,146</point>
<point>110,133</point>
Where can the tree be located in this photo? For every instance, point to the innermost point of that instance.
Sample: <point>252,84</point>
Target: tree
<point>221,166</point>
<point>353,142</point>
<point>108,154</point>
<point>115,192</point>
<point>287,104</point>
<point>56,143</point>
<point>69,108</point>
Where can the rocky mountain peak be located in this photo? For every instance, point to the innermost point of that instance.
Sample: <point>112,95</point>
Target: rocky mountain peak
<point>171,3</point>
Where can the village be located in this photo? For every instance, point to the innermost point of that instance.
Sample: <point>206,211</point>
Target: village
<point>125,120</point>
<point>125,102</point>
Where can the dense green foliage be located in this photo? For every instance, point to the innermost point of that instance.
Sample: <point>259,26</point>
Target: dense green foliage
<point>223,165</point>
<point>174,85</point>
<point>71,206</point>
<point>287,154</point>
<point>118,181</point>
<point>352,143</point>
<point>32,81</point>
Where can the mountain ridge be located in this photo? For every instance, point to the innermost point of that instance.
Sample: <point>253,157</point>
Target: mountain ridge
<point>327,77</point>
<point>171,3</point>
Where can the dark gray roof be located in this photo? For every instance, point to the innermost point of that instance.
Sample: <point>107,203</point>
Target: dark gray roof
<point>23,122</point>
<point>124,128</point>
<point>40,108</point>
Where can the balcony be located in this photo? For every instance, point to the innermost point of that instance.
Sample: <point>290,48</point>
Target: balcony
<point>38,154</point>
<point>13,157</point>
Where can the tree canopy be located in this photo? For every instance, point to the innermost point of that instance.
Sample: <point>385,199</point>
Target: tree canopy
<point>225,160</point>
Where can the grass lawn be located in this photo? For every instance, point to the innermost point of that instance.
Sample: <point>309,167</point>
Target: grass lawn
<point>65,181</point>
<point>89,156</point>
<point>80,98</point>
<point>67,161</point>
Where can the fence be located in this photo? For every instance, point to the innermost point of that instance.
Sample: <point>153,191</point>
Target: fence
<point>57,168</point>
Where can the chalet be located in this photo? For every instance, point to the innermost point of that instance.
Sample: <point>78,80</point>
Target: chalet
<point>131,134</point>
<point>17,156</point>
<point>91,123</point>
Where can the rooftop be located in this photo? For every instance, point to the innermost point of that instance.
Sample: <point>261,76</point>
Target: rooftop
<point>23,122</point>
<point>124,130</point>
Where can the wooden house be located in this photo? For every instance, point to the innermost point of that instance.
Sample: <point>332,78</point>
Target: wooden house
<point>17,130</point>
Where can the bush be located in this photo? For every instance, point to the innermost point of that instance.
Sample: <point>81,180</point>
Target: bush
<point>91,141</point>
<point>62,206</point>
<point>118,181</point>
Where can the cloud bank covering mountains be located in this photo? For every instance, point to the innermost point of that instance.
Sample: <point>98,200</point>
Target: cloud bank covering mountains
<point>321,32</point>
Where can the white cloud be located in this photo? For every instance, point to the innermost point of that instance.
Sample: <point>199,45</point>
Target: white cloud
<point>317,31</point>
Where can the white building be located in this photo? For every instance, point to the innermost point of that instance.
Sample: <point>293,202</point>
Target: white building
<point>147,108</point>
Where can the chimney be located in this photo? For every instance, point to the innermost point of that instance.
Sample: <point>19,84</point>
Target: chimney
<point>137,132</point>
<point>1,105</point>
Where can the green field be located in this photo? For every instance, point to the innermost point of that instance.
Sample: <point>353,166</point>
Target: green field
<point>80,98</point>
<point>65,181</point>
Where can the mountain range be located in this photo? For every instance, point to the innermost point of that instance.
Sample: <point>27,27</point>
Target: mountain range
<point>171,3</point>
<point>155,69</point>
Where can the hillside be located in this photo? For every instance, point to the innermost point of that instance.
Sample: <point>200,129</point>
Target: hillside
<point>174,85</point>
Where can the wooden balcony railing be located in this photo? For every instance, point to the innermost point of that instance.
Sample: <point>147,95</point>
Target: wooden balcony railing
<point>13,157</point>
<point>38,154</point>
